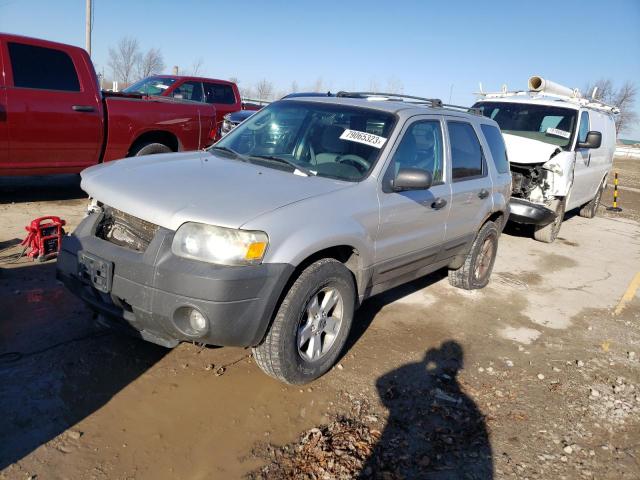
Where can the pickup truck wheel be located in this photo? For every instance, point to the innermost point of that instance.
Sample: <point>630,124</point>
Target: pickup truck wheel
<point>478,264</point>
<point>549,233</point>
<point>590,209</point>
<point>149,149</point>
<point>311,325</point>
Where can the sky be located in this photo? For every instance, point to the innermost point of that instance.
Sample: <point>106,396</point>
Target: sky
<point>432,48</point>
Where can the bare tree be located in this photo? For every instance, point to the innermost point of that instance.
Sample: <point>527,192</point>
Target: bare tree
<point>624,98</point>
<point>151,63</point>
<point>264,89</point>
<point>196,67</point>
<point>395,85</point>
<point>123,59</point>
<point>318,85</point>
<point>294,87</point>
<point>235,80</point>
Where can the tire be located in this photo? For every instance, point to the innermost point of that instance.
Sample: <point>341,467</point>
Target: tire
<point>549,233</point>
<point>478,264</point>
<point>284,353</point>
<point>589,210</point>
<point>149,149</point>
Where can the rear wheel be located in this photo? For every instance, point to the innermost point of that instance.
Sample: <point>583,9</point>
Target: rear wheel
<point>478,264</point>
<point>549,233</point>
<point>311,325</point>
<point>590,209</point>
<point>149,149</point>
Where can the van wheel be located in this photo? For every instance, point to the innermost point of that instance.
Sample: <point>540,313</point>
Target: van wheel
<point>478,264</point>
<point>549,233</point>
<point>590,209</point>
<point>149,149</point>
<point>311,325</point>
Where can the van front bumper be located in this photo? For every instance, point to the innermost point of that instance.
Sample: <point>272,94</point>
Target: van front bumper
<point>146,291</point>
<point>523,211</point>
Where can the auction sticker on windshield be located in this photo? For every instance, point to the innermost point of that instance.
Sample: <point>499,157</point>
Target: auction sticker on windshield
<point>558,133</point>
<point>364,138</point>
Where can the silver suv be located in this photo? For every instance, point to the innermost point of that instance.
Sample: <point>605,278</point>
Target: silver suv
<point>275,235</point>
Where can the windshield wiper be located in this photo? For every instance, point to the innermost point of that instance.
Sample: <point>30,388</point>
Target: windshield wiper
<point>232,152</point>
<point>304,170</point>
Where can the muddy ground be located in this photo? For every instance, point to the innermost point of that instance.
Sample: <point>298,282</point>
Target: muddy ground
<point>535,376</point>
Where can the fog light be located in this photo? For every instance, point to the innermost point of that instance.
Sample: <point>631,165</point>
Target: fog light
<point>197,320</point>
<point>191,321</point>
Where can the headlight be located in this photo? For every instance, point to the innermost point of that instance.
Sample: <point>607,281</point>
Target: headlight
<point>226,246</point>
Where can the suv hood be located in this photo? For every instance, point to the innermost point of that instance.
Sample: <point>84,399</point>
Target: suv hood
<point>526,150</point>
<point>174,188</point>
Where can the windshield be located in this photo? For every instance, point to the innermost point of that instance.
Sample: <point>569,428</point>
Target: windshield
<point>553,125</point>
<point>327,140</point>
<point>150,86</point>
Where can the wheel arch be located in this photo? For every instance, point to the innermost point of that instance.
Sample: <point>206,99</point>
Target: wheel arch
<point>155,136</point>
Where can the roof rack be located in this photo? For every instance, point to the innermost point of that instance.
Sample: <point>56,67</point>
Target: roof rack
<point>432,102</point>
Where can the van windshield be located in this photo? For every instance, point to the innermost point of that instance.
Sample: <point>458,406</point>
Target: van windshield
<point>328,140</point>
<point>553,125</point>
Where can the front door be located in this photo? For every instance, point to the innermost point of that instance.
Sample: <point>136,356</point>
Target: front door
<point>413,223</point>
<point>54,119</point>
<point>584,178</point>
<point>471,187</point>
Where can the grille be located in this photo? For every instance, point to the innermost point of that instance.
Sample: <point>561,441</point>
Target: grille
<point>125,230</point>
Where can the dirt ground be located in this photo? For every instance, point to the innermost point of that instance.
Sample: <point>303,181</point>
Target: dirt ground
<point>535,376</point>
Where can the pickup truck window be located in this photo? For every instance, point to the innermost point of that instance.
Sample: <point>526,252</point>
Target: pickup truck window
<point>151,86</point>
<point>189,91</point>
<point>544,123</point>
<point>336,141</point>
<point>466,153</point>
<point>42,68</point>
<point>219,93</point>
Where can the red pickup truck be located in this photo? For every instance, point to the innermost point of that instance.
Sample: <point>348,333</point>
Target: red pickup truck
<point>55,119</point>
<point>224,95</point>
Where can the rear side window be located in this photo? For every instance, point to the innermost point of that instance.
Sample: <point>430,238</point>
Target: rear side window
<point>497,147</point>
<point>466,154</point>
<point>42,68</point>
<point>189,91</point>
<point>584,127</point>
<point>219,93</point>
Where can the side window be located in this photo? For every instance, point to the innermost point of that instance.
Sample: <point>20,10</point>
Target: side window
<point>584,127</point>
<point>219,93</point>
<point>189,91</point>
<point>497,147</point>
<point>421,147</point>
<point>466,154</point>
<point>42,68</point>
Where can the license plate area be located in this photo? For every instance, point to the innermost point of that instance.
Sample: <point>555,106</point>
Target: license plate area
<point>95,271</point>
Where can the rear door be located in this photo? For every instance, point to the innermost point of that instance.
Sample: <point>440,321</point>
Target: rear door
<point>471,199</point>
<point>413,223</point>
<point>54,115</point>
<point>223,97</point>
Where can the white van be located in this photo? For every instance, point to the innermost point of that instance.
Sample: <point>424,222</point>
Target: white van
<point>560,147</point>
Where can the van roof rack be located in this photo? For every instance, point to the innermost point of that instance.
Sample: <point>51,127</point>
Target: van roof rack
<point>399,97</point>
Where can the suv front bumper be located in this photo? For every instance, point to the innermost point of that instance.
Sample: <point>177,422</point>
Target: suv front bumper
<point>146,289</point>
<point>523,211</point>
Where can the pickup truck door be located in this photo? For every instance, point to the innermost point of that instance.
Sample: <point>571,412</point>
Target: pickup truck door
<point>471,185</point>
<point>53,112</point>
<point>4,130</point>
<point>223,97</point>
<point>413,223</point>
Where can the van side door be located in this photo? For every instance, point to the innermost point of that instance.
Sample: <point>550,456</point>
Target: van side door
<point>471,186</point>
<point>413,222</point>
<point>53,112</point>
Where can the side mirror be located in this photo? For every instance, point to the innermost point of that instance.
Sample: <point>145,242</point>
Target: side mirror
<point>594,140</point>
<point>412,179</point>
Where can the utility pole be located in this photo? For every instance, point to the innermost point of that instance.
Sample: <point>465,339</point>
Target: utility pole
<point>87,28</point>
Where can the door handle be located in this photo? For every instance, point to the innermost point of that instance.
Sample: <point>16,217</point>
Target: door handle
<point>484,193</point>
<point>438,203</point>
<point>83,108</point>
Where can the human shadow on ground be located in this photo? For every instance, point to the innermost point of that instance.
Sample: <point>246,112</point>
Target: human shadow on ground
<point>434,430</point>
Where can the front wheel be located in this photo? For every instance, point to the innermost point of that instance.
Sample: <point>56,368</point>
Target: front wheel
<point>478,264</point>
<point>549,233</point>
<point>311,325</point>
<point>590,209</point>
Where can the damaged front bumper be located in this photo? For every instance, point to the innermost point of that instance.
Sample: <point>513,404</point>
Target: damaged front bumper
<point>523,211</point>
<point>144,292</point>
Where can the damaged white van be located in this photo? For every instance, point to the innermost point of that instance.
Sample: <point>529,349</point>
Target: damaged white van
<point>560,147</point>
